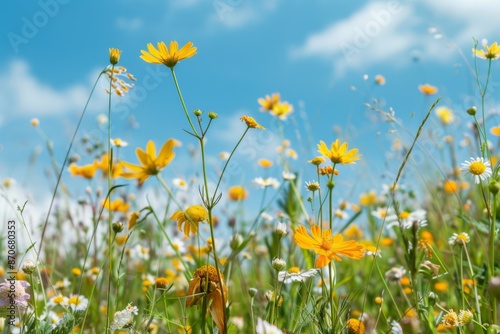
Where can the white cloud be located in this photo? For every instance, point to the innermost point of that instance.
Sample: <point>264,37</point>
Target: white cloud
<point>239,13</point>
<point>373,34</point>
<point>382,32</point>
<point>23,94</point>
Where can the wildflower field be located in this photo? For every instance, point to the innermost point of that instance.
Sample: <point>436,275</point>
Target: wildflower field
<point>144,251</point>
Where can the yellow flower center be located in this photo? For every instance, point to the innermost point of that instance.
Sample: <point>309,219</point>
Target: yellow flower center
<point>75,300</point>
<point>462,237</point>
<point>58,299</point>
<point>294,270</point>
<point>477,168</point>
<point>404,215</point>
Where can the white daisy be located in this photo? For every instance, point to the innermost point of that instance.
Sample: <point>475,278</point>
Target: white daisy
<point>294,274</point>
<point>264,183</point>
<point>459,239</point>
<point>263,327</point>
<point>478,168</point>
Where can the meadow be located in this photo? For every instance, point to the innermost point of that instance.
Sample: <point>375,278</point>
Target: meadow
<point>186,257</point>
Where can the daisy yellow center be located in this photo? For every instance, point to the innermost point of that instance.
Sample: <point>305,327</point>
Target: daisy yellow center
<point>462,237</point>
<point>404,215</point>
<point>477,168</point>
<point>294,270</point>
<point>75,300</point>
<point>58,299</point>
<point>326,244</point>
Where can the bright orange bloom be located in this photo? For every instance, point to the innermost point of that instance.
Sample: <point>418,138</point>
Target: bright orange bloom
<point>237,193</point>
<point>167,57</point>
<point>116,168</point>
<point>205,282</point>
<point>427,89</point>
<point>117,205</point>
<point>326,245</point>
<point>338,153</point>
<point>150,163</point>
<point>85,171</point>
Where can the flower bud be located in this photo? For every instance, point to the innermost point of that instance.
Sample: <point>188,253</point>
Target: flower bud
<point>494,187</point>
<point>197,112</point>
<point>281,229</point>
<point>212,115</point>
<point>252,292</point>
<point>28,267</point>
<point>117,227</point>
<point>472,111</point>
<point>235,241</point>
<point>278,263</point>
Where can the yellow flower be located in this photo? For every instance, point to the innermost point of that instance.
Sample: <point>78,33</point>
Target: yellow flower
<point>237,193</point>
<point>445,114</point>
<point>495,130</point>
<point>326,245</point>
<point>441,286</point>
<point>317,161</point>
<point>491,52</point>
<point>205,282</point>
<point>161,283</point>
<point>450,186</point>
<point>169,58</point>
<point>190,218</point>
<point>35,122</point>
<point>338,153</point>
<point>369,198</point>
<point>450,320</point>
<point>251,122</point>
<point>265,163</point>
<point>116,168</point>
<point>150,163</point>
<point>114,56</point>
<point>354,326</point>
<point>269,101</point>
<point>86,171</point>
<point>380,79</point>
<point>427,89</point>
<point>282,110</point>
<point>132,221</point>
<point>117,205</point>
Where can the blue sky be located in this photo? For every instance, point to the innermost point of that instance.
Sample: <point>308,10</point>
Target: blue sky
<point>314,53</point>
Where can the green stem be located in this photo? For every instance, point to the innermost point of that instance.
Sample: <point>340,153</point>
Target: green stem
<point>110,231</point>
<point>182,102</point>
<point>476,296</point>
<point>491,254</point>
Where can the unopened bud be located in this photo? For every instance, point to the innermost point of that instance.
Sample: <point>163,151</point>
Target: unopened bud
<point>197,112</point>
<point>117,227</point>
<point>472,111</point>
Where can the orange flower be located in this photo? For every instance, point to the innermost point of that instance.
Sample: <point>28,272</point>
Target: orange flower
<point>205,282</point>
<point>326,245</point>
<point>427,89</point>
<point>237,193</point>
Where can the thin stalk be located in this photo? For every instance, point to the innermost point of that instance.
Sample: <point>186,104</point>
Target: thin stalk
<point>182,102</point>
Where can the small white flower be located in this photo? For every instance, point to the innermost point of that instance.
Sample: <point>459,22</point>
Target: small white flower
<point>478,168</point>
<point>288,176</point>
<point>395,274</point>
<point>77,302</point>
<point>396,327</point>
<point>407,219</point>
<point>180,183</point>
<point>264,183</point>
<point>294,274</point>
<point>124,318</point>
<point>223,155</point>
<point>459,239</point>
<point>263,327</point>
<point>118,142</point>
